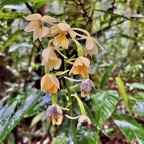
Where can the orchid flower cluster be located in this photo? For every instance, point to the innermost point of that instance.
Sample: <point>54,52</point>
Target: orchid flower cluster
<point>60,34</point>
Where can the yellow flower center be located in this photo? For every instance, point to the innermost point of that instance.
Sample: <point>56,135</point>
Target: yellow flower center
<point>41,23</point>
<point>63,33</point>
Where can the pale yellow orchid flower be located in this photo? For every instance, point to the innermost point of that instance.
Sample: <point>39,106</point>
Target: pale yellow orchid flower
<point>49,83</point>
<point>90,47</point>
<point>36,25</point>
<point>81,66</point>
<point>50,59</point>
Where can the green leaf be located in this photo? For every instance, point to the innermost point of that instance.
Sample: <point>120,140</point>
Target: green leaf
<point>11,139</point>
<point>135,86</point>
<point>106,5</point>
<point>123,93</point>
<point>89,139</point>
<point>137,105</point>
<point>4,108</point>
<point>60,139</point>
<point>3,100</point>
<point>11,39</point>
<point>37,118</point>
<point>5,115</point>
<point>82,109</point>
<point>39,5</point>
<point>11,15</point>
<point>104,103</point>
<point>106,77</point>
<point>130,128</point>
<point>17,2</point>
<point>40,106</point>
<point>14,120</point>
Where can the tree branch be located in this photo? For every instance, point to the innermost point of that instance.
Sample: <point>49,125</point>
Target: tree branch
<point>89,19</point>
<point>30,8</point>
<point>97,33</point>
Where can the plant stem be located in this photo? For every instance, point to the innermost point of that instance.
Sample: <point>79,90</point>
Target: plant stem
<point>74,131</point>
<point>54,98</point>
<point>82,30</point>
<point>46,70</point>
<point>71,106</point>
<point>87,76</point>
<point>83,112</point>
<point>79,47</point>
<point>97,137</point>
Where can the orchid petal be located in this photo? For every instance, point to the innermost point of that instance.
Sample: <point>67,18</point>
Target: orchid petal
<point>49,19</point>
<point>33,17</point>
<point>64,26</point>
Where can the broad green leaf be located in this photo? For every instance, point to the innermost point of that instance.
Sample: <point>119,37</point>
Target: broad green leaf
<point>41,105</point>
<point>123,93</point>
<point>137,105</point>
<point>135,86</point>
<point>60,139</point>
<point>26,105</point>
<point>89,139</point>
<point>5,107</point>
<point>130,128</point>
<point>104,104</point>
<point>5,116</point>
<point>17,99</point>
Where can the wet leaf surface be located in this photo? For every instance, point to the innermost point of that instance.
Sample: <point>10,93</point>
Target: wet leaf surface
<point>104,103</point>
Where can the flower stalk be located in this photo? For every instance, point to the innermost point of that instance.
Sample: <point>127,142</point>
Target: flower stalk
<point>46,70</point>
<point>82,30</point>
<point>82,109</point>
<point>54,98</point>
<point>70,101</point>
<point>87,76</point>
<point>79,47</point>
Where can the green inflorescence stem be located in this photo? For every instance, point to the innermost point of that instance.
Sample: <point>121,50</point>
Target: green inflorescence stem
<point>79,47</point>
<point>70,101</point>
<point>87,76</point>
<point>46,70</point>
<point>54,98</point>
